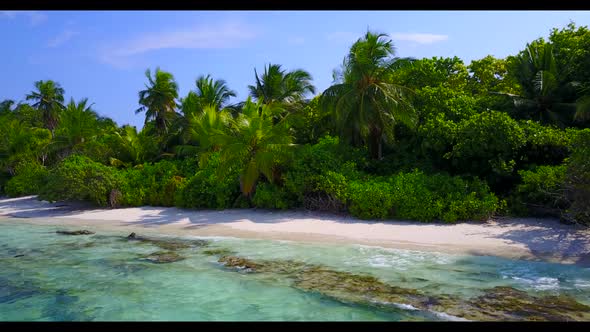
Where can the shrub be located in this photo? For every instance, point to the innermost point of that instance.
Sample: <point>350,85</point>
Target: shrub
<point>79,178</point>
<point>270,196</point>
<point>206,189</point>
<point>312,162</point>
<point>371,199</point>
<point>541,191</point>
<point>150,184</point>
<point>418,196</point>
<point>578,179</point>
<point>29,178</point>
<point>545,145</point>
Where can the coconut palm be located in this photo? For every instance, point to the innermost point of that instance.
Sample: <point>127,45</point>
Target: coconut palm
<point>541,98</point>
<point>158,100</point>
<point>281,90</point>
<point>365,102</point>
<point>78,124</point>
<point>48,99</point>
<point>132,147</point>
<point>255,144</point>
<point>213,92</point>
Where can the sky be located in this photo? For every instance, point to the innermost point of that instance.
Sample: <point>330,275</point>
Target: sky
<point>103,55</point>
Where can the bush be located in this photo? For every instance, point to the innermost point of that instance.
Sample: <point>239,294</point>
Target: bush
<point>79,178</point>
<point>371,199</point>
<point>270,196</point>
<point>29,178</point>
<point>151,184</point>
<point>422,197</point>
<point>541,191</point>
<point>206,189</point>
<point>578,179</point>
<point>545,145</point>
<point>312,162</point>
<point>412,196</point>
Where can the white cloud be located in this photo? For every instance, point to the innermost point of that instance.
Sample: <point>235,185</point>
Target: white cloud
<point>63,37</point>
<point>35,17</point>
<point>224,35</point>
<point>420,38</point>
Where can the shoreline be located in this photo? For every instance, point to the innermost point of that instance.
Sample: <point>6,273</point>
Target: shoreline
<point>515,238</point>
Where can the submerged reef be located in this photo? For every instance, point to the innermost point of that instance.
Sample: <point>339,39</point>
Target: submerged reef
<point>495,304</point>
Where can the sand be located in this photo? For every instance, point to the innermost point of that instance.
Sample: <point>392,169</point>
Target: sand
<point>532,239</point>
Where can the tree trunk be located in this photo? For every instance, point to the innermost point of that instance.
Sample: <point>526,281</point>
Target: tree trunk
<point>375,144</point>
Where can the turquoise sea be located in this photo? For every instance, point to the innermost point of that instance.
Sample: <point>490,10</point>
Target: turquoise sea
<point>46,276</point>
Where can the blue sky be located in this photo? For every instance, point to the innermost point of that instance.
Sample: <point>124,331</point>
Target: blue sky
<point>103,55</point>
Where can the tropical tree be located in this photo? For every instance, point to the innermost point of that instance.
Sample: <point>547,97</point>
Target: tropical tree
<point>132,147</point>
<point>255,144</point>
<point>78,124</point>
<point>6,106</point>
<point>158,100</point>
<point>281,90</point>
<point>202,131</point>
<point>213,92</point>
<point>541,97</point>
<point>365,101</point>
<point>48,99</point>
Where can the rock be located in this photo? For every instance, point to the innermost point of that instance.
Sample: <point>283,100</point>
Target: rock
<point>218,252</point>
<point>496,304</point>
<point>80,232</point>
<point>15,256</point>
<point>161,257</point>
<point>169,244</point>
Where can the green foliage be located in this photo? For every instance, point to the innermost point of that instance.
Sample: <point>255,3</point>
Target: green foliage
<point>412,195</point>
<point>152,184</point>
<point>454,104</point>
<point>269,196</point>
<point>81,179</point>
<point>366,102</point>
<point>418,196</point>
<point>541,190</point>
<point>207,189</point>
<point>29,178</point>
<point>578,179</point>
<point>487,143</point>
<point>545,145</point>
<point>312,162</point>
<point>433,72</point>
<point>370,199</point>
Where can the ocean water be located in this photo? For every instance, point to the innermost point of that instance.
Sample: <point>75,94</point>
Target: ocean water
<point>45,276</point>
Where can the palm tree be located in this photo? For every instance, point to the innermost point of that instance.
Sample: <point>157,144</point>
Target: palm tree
<point>213,92</point>
<point>541,99</point>
<point>49,99</point>
<point>78,124</point>
<point>255,144</point>
<point>6,106</point>
<point>132,147</point>
<point>281,90</point>
<point>158,100</point>
<point>365,102</point>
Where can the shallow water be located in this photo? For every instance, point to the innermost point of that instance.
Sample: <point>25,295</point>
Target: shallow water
<point>45,276</point>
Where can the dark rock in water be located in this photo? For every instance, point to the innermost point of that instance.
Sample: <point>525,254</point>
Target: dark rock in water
<point>169,244</point>
<point>21,255</point>
<point>218,252</point>
<point>239,262</point>
<point>80,232</point>
<point>163,257</point>
<point>496,304</point>
<point>507,303</point>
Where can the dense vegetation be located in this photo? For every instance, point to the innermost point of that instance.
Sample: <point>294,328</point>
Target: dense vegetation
<point>422,139</point>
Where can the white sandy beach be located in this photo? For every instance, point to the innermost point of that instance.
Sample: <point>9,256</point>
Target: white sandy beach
<point>537,239</point>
